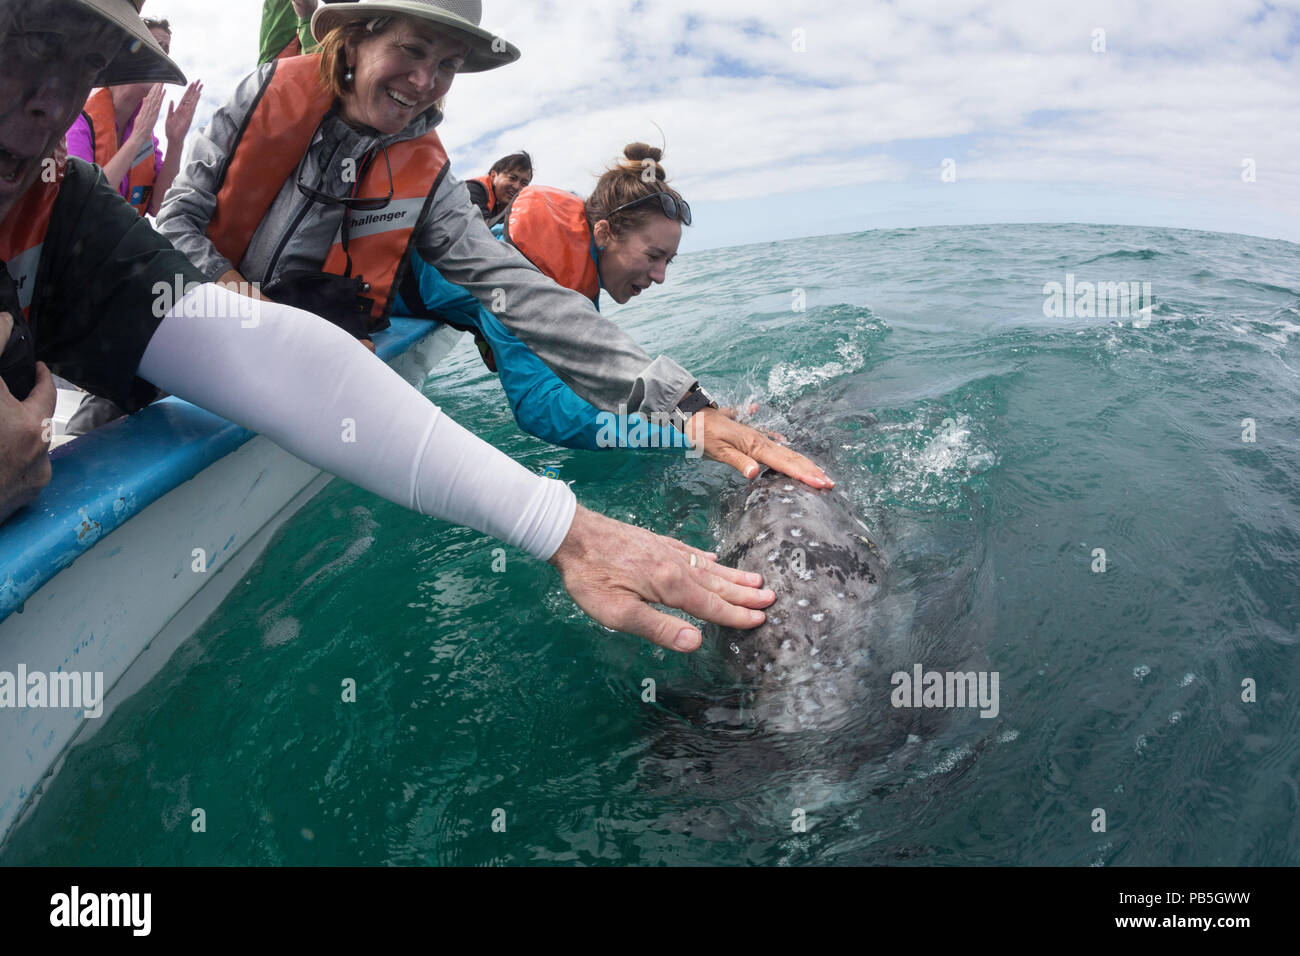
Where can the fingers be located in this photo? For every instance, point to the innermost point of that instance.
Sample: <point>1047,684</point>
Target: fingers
<point>729,454</point>
<point>707,560</point>
<point>790,462</point>
<point>686,549</point>
<point>44,395</point>
<point>689,594</point>
<point>615,572</point>
<point>744,578</point>
<point>732,592</point>
<point>636,617</point>
<point>671,633</point>
<point>190,101</point>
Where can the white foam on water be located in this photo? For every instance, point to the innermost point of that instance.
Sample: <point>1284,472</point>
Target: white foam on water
<point>788,379</point>
<point>282,631</point>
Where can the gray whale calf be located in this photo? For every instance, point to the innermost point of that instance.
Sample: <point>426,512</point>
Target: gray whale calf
<point>817,657</point>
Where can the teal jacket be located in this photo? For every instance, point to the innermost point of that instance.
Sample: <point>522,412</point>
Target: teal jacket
<point>542,404</point>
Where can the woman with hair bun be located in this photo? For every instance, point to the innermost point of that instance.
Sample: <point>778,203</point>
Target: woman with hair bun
<point>323,183</point>
<point>621,239</point>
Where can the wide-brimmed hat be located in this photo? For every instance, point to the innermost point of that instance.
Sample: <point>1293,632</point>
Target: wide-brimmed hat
<point>141,59</point>
<point>460,18</point>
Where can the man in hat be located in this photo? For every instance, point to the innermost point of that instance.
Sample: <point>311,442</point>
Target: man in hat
<point>81,270</point>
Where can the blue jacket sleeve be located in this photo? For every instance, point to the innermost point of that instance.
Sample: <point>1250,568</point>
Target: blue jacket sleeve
<point>542,404</point>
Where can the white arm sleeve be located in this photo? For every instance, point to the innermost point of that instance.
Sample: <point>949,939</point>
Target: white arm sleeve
<point>315,391</point>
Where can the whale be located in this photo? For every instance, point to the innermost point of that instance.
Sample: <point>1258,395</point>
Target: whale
<point>798,714</point>
<point>810,663</point>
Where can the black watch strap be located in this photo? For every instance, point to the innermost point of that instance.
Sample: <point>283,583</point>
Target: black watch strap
<point>696,399</point>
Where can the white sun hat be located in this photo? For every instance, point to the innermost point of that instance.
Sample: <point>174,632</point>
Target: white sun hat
<point>460,18</point>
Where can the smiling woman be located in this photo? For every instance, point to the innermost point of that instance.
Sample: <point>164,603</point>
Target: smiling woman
<point>83,275</point>
<point>323,183</point>
<point>370,67</point>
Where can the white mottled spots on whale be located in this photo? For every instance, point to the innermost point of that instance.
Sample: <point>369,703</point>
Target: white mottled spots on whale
<point>789,487</point>
<point>803,602</point>
<point>819,617</point>
<point>796,533</point>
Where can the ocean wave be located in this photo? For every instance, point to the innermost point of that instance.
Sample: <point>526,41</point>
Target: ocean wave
<point>788,380</point>
<point>1124,254</point>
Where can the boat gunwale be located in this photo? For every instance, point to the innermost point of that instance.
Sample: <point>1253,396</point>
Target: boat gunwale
<point>104,478</point>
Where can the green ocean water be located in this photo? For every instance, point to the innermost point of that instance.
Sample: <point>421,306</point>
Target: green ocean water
<point>1008,446</point>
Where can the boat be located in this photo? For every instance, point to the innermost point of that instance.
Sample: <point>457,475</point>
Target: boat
<point>145,528</point>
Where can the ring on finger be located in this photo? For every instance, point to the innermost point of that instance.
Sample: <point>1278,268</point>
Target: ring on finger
<point>695,560</point>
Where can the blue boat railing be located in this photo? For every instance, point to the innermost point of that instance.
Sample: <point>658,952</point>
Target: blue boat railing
<point>102,479</point>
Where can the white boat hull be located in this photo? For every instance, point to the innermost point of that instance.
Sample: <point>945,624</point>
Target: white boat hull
<point>126,603</point>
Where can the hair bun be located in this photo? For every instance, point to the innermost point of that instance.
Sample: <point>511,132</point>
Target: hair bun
<point>640,151</point>
<point>640,156</point>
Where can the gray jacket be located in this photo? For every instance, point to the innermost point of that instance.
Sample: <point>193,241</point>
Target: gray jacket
<point>589,353</point>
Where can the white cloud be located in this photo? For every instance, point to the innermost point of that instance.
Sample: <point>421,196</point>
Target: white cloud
<point>884,92</point>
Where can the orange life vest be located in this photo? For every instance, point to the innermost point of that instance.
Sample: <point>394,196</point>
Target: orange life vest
<point>549,226</point>
<point>491,193</point>
<point>291,49</point>
<point>22,234</point>
<point>275,138</point>
<point>103,135</point>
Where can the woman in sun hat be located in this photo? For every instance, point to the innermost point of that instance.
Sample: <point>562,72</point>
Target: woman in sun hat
<point>80,273</point>
<point>322,176</point>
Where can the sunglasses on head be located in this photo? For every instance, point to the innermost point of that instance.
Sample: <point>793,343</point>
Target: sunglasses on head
<point>669,206</point>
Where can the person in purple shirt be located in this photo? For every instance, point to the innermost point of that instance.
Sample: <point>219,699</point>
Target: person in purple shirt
<point>135,110</point>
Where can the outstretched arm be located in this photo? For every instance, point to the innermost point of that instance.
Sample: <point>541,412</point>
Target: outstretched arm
<point>594,357</point>
<point>352,415</point>
<point>542,404</point>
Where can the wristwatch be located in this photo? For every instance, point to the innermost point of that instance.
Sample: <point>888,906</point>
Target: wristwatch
<point>696,399</point>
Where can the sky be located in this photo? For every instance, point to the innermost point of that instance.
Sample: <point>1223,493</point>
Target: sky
<point>787,119</point>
